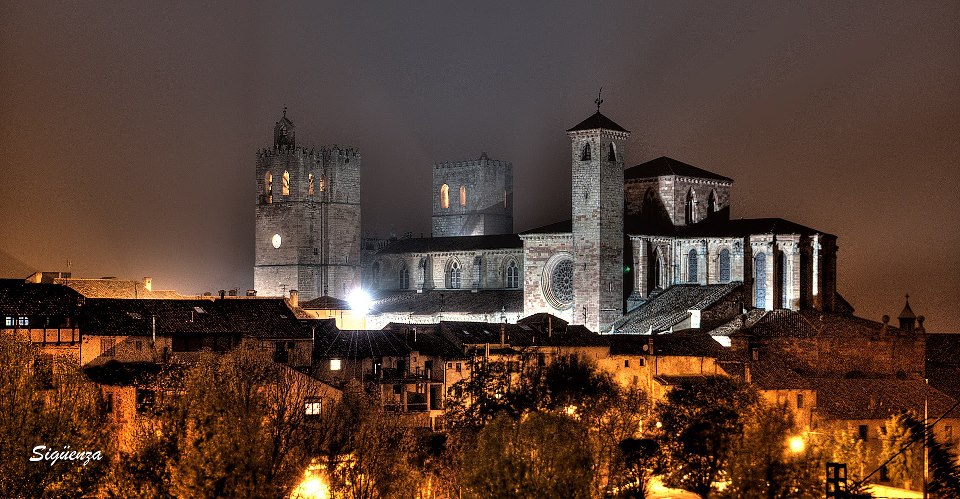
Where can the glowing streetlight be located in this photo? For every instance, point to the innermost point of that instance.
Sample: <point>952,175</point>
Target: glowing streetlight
<point>313,486</point>
<point>359,301</point>
<point>796,444</point>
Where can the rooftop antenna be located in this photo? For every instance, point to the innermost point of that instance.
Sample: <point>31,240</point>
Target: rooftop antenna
<point>599,100</point>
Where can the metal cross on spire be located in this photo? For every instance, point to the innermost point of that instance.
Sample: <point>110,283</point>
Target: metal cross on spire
<point>599,100</point>
<point>284,111</point>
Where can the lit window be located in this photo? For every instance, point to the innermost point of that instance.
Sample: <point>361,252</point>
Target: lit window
<point>463,196</point>
<point>23,321</point>
<point>334,364</point>
<point>286,184</point>
<point>444,196</point>
<point>323,184</point>
<point>268,184</point>
<point>8,321</point>
<point>724,265</point>
<point>311,407</point>
<point>513,275</point>
<point>585,153</point>
<point>310,184</point>
<point>692,266</point>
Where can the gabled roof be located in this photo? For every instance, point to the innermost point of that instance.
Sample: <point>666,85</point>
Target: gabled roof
<point>597,121</point>
<point>20,298</point>
<point>115,288</point>
<point>664,166</point>
<point>878,398</point>
<point>432,302</point>
<point>805,324</point>
<point>259,318</point>
<point>325,303</point>
<point>686,343</point>
<point>672,307</point>
<point>453,243</point>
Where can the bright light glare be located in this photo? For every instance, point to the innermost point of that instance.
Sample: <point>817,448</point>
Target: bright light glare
<point>313,486</point>
<point>797,445</point>
<point>359,301</point>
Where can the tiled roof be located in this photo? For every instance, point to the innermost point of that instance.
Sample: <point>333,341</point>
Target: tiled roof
<point>878,398</point>
<point>564,227</point>
<point>115,288</point>
<point>772,374</point>
<point>686,343</point>
<point>360,344</point>
<point>595,121</point>
<point>432,302</point>
<point>804,324</point>
<point>453,243</point>
<point>325,303</point>
<point>124,373</point>
<point>20,298</point>
<point>672,306</point>
<point>943,362</point>
<point>518,335</point>
<point>260,318</point>
<point>663,166</point>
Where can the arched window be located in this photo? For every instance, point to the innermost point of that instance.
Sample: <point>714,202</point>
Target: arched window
<point>724,265</point>
<point>611,153</point>
<point>658,277</point>
<point>585,153</point>
<point>286,184</point>
<point>454,275</point>
<point>463,196</point>
<point>712,203</point>
<point>760,280</point>
<point>692,266</point>
<point>310,184</point>
<point>323,184</point>
<point>376,275</point>
<point>268,187</point>
<point>477,271</point>
<point>513,275</point>
<point>784,279</point>
<point>404,276</point>
<point>444,196</point>
<point>688,212</point>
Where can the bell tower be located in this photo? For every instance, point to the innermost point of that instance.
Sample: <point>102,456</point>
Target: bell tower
<point>597,148</point>
<point>307,218</point>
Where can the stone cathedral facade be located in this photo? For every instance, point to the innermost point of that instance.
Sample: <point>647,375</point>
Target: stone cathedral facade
<point>307,218</point>
<point>651,240</point>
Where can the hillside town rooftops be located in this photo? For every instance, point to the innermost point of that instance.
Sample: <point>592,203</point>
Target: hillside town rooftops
<point>672,307</point>
<point>27,299</point>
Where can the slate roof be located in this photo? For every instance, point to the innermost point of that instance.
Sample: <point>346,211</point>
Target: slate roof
<point>518,335</point>
<point>664,166</point>
<point>878,398</point>
<point>772,374</point>
<point>686,343</point>
<point>943,362</point>
<point>453,243</point>
<point>672,306</point>
<point>115,288</point>
<point>117,373</point>
<point>432,302</point>
<point>20,298</point>
<point>564,227</point>
<point>595,121</point>
<point>258,318</point>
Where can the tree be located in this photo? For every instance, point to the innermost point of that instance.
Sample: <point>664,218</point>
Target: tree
<point>544,454</point>
<point>640,455</point>
<point>763,465</point>
<point>700,420</point>
<point>46,401</point>
<point>901,444</point>
<point>844,445</point>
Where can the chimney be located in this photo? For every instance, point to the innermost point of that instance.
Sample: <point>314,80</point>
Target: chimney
<point>148,283</point>
<point>251,292</point>
<point>222,294</point>
<point>294,298</point>
<point>503,340</point>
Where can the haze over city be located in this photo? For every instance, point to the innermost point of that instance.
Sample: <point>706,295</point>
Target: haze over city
<point>128,131</point>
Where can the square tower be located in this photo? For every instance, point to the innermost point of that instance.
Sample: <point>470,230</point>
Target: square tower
<point>597,148</point>
<point>307,218</point>
<point>473,198</point>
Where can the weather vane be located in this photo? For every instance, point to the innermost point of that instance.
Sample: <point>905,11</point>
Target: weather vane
<point>599,100</point>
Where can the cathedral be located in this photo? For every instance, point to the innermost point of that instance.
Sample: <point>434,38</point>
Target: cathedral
<point>646,248</point>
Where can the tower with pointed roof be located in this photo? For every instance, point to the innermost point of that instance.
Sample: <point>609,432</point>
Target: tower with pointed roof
<point>597,152</point>
<point>907,318</point>
<point>307,218</point>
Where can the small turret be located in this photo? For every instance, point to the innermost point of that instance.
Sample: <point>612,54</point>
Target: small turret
<point>284,132</point>
<point>907,318</point>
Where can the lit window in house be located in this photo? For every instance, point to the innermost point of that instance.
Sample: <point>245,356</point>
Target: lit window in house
<point>311,407</point>
<point>334,364</point>
<point>8,321</point>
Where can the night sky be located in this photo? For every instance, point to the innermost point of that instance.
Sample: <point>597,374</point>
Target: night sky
<point>128,130</point>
